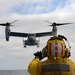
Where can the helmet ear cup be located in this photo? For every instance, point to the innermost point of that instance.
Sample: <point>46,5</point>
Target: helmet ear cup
<point>67,53</point>
<point>44,52</point>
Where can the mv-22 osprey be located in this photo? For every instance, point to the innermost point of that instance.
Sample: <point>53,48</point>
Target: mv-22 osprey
<point>31,37</point>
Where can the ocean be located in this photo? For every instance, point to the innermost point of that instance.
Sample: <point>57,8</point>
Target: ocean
<point>14,72</point>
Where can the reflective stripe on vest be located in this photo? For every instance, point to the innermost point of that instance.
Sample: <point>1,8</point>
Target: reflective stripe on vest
<point>56,68</point>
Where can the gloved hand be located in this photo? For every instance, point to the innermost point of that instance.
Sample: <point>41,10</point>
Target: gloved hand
<point>39,55</point>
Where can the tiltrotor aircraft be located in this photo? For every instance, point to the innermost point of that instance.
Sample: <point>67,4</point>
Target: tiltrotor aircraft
<point>31,37</point>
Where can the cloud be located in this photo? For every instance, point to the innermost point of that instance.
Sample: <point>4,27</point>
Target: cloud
<point>8,4</point>
<point>30,7</point>
<point>31,15</point>
<point>40,7</point>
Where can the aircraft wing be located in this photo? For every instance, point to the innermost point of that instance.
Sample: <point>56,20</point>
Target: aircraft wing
<point>17,34</point>
<point>43,34</point>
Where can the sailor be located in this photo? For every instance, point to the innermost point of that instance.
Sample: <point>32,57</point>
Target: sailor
<point>57,62</point>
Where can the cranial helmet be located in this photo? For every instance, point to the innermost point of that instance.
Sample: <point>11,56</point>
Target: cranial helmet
<point>55,47</point>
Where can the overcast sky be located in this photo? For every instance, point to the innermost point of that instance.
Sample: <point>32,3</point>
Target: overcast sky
<point>31,15</point>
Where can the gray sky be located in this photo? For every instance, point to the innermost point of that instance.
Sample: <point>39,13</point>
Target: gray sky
<point>31,15</point>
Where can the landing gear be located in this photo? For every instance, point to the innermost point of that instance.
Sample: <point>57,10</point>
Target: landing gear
<point>37,45</point>
<point>25,46</point>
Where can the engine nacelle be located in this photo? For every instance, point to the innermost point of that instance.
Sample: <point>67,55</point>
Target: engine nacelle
<point>7,33</point>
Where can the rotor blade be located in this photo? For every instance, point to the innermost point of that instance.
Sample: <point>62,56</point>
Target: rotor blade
<point>3,24</point>
<point>6,24</point>
<point>14,21</point>
<point>58,24</point>
<point>48,22</point>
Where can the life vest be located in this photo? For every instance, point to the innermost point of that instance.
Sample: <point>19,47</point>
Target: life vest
<point>56,64</point>
<point>56,67</point>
